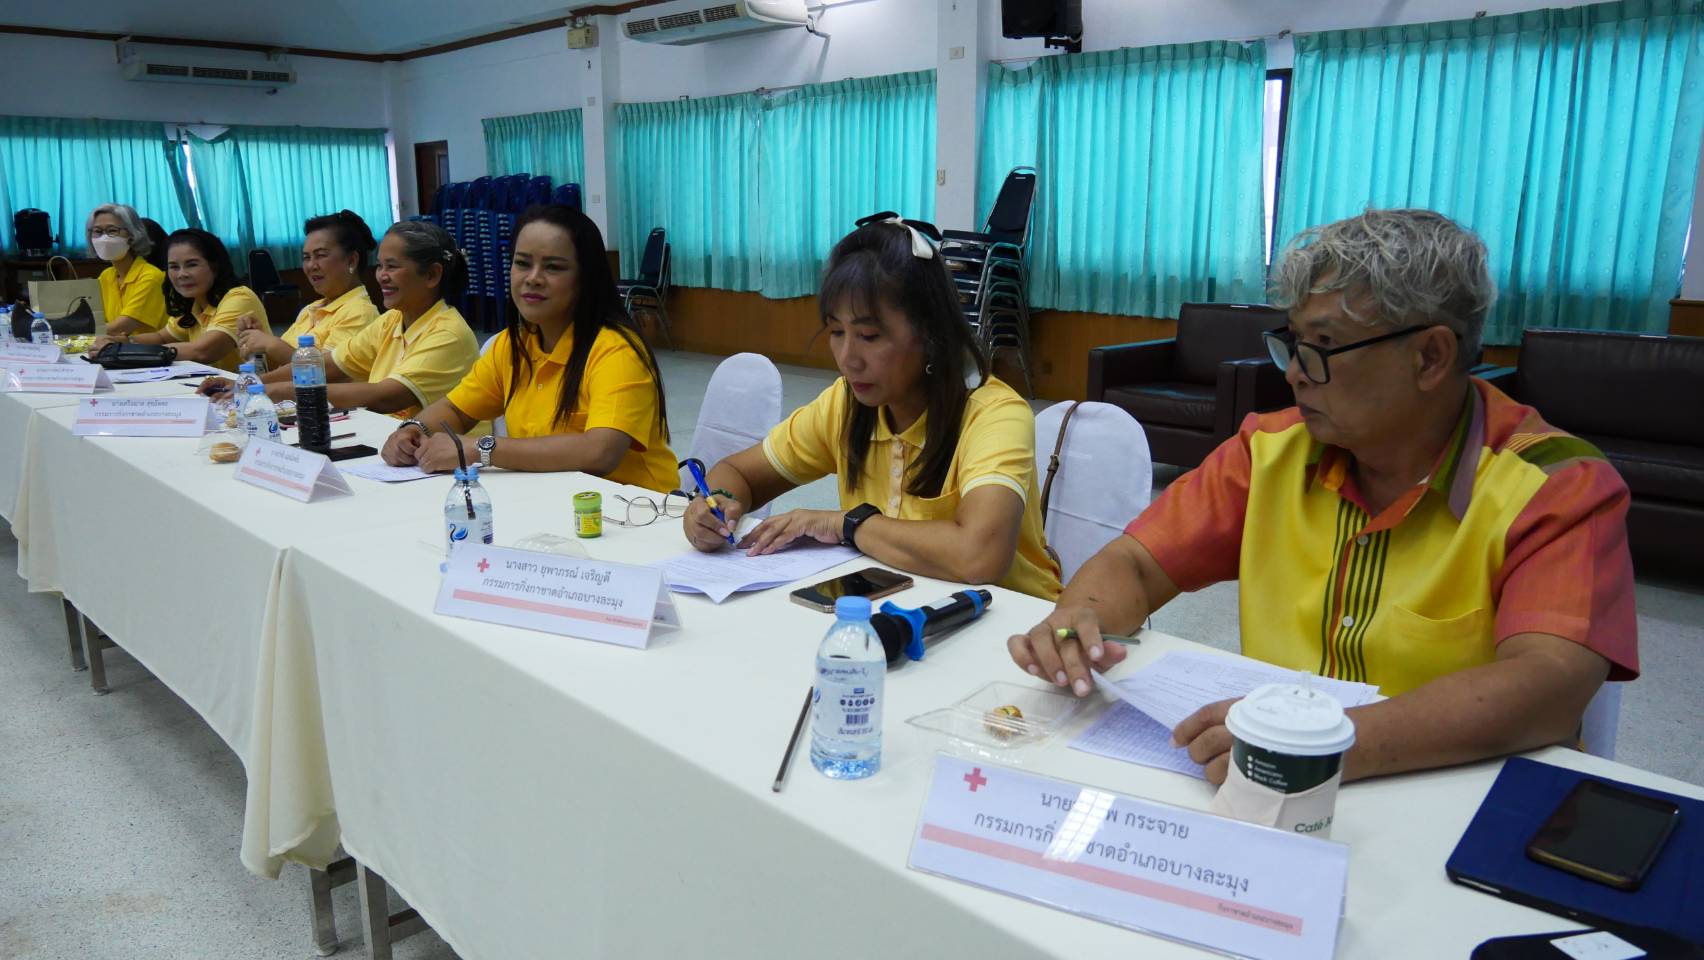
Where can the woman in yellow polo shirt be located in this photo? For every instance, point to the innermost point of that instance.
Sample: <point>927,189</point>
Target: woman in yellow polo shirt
<point>935,458</point>
<point>133,297</point>
<point>334,256</point>
<point>419,347</point>
<point>571,375</point>
<point>203,302</point>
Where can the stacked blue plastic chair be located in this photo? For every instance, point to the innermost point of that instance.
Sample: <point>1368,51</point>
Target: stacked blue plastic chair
<point>538,191</point>
<point>511,194</point>
<point>568,194</point>
<point>440,203</point>
<point>473,238</point>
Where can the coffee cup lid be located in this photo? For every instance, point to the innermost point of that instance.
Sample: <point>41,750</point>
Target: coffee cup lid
<point>1292,718</point>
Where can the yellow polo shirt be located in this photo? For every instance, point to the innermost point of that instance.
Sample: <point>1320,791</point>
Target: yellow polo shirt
<point>618,390</point>
<point>331,323</point>
<point>223,318</point>
<point>139,294</point>
<point>996,445</point>
<point>429,358</point>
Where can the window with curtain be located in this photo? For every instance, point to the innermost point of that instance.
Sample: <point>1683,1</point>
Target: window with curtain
<point>755,190</point>
<point>114,161</point>
<point>832,153</point>
<point>1568,139</point>
<point>255,186</point>
<point>690,167</point>
<point>547,144</point>
<point>1148,165</point>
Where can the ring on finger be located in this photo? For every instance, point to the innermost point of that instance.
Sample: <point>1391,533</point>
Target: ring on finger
<point>1066,633</point>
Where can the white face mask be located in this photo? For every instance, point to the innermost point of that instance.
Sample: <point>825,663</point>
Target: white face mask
<point>110,248</point>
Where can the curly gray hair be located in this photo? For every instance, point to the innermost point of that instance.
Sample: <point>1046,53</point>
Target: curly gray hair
<point>140,243</point>
<point>1410,267</point>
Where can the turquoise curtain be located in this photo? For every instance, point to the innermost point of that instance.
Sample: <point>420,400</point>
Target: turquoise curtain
<point>1148,174</point>
<point>542,144</point>
<point>831,153</point>
<point>254,187</point>
<point>68,167</point>
<point>691,167</point>
<point>1568,139</point>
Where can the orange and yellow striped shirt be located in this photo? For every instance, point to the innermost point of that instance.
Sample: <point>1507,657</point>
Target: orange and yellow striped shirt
<point>1521,528</point>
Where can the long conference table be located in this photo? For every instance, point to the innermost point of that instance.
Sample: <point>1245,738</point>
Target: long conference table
<point>538,796</point>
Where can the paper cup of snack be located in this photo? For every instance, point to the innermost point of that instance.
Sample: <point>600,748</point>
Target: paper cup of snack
<point>1286,758</point>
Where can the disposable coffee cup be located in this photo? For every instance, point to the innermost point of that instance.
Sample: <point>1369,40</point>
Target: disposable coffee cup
<point>1286,758</point>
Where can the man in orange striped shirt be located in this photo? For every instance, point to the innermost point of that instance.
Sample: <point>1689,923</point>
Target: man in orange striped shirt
<point>1404,525</point>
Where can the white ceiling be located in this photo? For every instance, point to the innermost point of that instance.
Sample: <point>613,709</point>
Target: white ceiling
<point>356,26</point>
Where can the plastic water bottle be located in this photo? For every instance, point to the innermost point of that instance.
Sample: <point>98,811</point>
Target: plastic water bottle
<point>240,392</point>
<point>40,330</point>
<point>260,416</point>
<point>846,706</point>
<point>5,324</point>
<point>313,416</point>
<point>467,512</point>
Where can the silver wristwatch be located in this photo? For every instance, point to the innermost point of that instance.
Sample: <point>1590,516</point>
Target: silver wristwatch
<point>415,423</point>
<point>487,445</point>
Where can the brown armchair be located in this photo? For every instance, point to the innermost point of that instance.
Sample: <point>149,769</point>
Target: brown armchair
<point>1639,399</point>
<point>1184,391</point>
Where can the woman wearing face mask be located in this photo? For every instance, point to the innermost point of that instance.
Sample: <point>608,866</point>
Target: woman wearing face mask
<point>203,302</point>
<point>418,348</point>
<point>936,459</point>
<point>572,376</point>
<point>133,298</point>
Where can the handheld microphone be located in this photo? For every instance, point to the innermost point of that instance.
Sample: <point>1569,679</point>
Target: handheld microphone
<point>903,629</point>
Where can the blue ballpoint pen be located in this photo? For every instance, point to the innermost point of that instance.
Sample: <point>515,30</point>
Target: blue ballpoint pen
<point>709,498</point>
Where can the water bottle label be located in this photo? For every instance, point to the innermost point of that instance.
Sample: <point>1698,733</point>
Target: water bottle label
<point>848,699</point>
<point>307,376</point>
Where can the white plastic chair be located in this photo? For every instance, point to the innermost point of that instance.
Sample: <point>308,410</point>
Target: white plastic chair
<point>499,426</point>
<point>741,403</point>
<point>1603,717</point>
<point>1105,478</point>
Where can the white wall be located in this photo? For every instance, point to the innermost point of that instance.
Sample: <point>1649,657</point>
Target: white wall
<point>866,38</point>
<point>81,78</point>
<point>445,97</point>
<point>1109,24</point>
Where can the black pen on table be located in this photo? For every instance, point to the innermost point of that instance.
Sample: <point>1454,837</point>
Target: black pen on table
<point>793,741</point>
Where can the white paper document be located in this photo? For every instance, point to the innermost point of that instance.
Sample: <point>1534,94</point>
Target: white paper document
<point>1164,693</point>
<point>373,468</point>
<point>182,369</point>
<point>721,574</point>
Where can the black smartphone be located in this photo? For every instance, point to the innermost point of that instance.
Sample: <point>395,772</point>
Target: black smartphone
<point>871,582</point>
<point>1605,834</point>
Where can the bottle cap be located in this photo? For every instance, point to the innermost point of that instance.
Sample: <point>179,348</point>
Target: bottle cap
<point>256,388</point>
<point>852,608</point>
<point>305,340</point>
<point>1291,718</point>
<point>472,472</point>
<point>458,474</point>
<point>245,368</point>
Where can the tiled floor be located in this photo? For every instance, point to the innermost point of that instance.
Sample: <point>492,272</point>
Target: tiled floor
<point>120,815</point>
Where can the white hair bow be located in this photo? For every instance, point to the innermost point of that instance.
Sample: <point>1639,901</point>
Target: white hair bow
<point>921,248</point>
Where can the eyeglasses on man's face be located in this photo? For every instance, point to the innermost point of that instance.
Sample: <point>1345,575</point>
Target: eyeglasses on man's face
<point>1282,345</point>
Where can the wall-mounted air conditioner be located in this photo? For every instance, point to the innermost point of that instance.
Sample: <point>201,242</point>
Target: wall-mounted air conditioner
<point>185,71</point>
<point>696,21</point>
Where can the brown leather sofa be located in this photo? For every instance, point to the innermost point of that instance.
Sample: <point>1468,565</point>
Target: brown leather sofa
<point>1639,399</point>
<point>1184,390</point>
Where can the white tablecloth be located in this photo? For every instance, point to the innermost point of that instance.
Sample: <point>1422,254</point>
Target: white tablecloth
<point>16,410</point>
<point>179,563</point>
<point>535,796</point>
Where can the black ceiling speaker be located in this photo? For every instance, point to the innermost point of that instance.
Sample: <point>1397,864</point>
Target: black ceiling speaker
<point>1058,22</point>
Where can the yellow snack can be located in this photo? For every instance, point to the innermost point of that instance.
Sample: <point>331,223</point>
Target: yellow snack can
<point>588,514</point>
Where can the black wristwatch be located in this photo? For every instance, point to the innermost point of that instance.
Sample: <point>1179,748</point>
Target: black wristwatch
<point>855,518</point>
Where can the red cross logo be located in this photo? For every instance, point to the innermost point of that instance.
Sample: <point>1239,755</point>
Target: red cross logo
<point>483,566</point>
<point>975,779</point>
